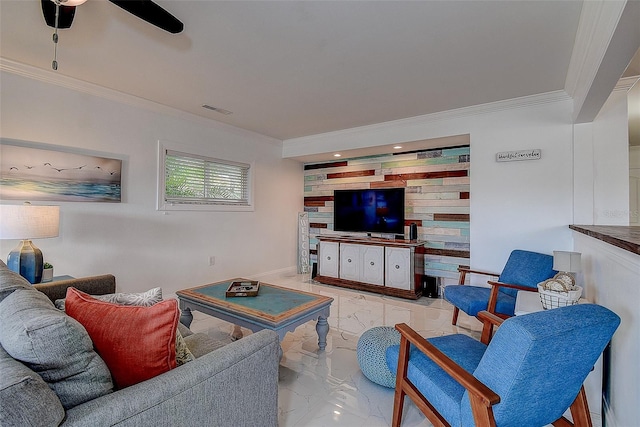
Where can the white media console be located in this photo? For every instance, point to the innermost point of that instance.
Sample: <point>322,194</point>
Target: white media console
<point>387,266</point>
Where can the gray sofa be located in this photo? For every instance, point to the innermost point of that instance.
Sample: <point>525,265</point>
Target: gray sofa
<point>236,384</point>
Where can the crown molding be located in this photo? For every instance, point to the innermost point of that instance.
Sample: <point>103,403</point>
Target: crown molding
<point>82,86</point>
<point>475,110</point>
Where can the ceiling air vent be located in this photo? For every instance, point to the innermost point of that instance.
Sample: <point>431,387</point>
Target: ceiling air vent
<point>218,110</point>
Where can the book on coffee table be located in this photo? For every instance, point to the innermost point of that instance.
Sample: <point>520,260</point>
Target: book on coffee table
<point>244,288</point>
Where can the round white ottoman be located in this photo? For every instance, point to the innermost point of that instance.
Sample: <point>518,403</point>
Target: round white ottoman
<point>371,350</point>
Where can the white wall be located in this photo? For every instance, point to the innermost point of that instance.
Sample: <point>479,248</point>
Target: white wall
<point>525,204</point>
<point>634,185</point>
<point>142,247</point>
<point>601,164</point>
<point>610,274</point>
<point>601,179</point>
<point>610,277</point>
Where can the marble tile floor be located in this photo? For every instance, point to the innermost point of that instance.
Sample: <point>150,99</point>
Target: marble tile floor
<point>326,388</point>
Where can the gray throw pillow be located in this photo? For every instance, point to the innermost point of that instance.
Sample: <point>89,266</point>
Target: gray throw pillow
<point>144,299</point>
<point>54,345</point>
<point>10,281</point>
<point>25,399</point>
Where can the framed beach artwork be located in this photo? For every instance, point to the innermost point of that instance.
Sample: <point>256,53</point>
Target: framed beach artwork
<point>29,173</point>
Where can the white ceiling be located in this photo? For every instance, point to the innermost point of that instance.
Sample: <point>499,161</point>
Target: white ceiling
<point>296,68</point>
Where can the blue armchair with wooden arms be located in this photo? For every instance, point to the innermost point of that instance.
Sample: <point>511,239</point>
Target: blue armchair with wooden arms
<point>523,271</point>
<point>528,374</point>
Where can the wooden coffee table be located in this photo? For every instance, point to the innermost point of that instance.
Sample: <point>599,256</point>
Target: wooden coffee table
<point>279,309</point>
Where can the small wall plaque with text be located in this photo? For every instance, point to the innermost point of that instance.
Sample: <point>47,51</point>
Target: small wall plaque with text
<point>511,156</point>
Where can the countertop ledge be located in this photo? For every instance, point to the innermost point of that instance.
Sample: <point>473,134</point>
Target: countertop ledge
<point>624,237</point>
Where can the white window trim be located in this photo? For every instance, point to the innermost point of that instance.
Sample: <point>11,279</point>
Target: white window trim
<point>162,205</point>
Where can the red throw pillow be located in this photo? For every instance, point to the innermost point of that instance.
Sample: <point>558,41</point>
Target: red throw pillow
<point>136,343</point>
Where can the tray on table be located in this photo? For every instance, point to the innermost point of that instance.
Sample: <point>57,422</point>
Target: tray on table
<point>244,288</point>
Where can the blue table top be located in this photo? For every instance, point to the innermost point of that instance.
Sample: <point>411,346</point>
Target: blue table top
<point>270,299</point>
<point>273,303</point>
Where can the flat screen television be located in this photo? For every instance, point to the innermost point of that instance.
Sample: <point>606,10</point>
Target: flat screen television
<point>371,210</point>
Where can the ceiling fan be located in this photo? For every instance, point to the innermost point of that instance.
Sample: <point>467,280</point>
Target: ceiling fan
<point>59,14</point>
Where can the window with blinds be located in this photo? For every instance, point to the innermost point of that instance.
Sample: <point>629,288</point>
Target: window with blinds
<point>191,179</point>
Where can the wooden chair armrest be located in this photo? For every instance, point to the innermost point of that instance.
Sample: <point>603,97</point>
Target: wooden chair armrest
<point>470,270</point>
<point>489,320</point>
<point>468,381</point>
<point>464,269</point>
<point>512,286</point>
<point>495,287</point>
<point>485,316</point>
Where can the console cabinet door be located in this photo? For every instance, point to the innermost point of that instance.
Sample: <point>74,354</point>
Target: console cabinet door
<point>372,258</point>
<point>328,259</point>
<point>398,268</point>
<point>350,262</point>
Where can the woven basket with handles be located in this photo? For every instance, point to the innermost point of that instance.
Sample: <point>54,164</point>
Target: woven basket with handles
<point>555,299</point>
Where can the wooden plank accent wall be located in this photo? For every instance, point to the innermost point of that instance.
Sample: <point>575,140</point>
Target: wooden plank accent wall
<point>437,197</point>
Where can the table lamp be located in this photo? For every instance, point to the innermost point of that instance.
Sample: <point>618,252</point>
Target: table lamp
<point>28,222</point>
<point>567,264</point>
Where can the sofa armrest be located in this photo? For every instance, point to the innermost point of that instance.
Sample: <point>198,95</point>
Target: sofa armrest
<point>234,385</point>
<point>92,285</point>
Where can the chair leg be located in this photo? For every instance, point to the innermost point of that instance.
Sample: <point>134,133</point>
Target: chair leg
<point>482,414</point>
<point>562,422</point>
<point>487,333</point>
<point>580,410</point>
<point>401,374</point>
<point>398,405</point>
<point>456,311</point>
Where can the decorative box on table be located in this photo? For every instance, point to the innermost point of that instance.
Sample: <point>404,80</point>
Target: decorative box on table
<point>245,288</point>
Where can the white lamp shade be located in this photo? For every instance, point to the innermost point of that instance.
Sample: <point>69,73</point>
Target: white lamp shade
<point>568,262</point>
<point>26,222</point>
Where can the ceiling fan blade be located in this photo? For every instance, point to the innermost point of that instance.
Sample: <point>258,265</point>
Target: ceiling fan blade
<point>152,13</point>
<point>65,18</point>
